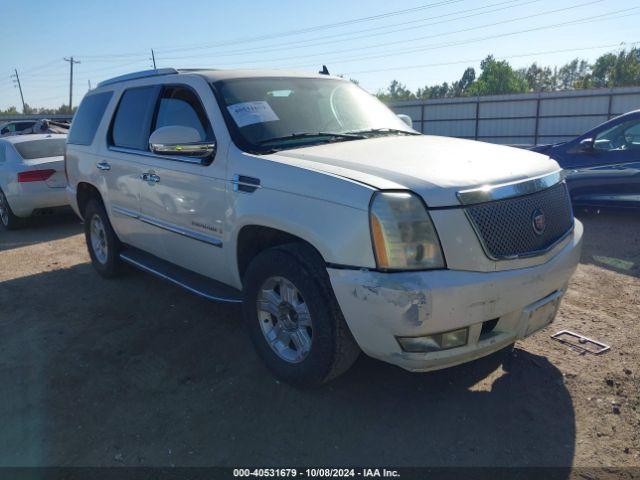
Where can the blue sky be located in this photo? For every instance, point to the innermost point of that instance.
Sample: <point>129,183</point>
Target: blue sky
<point>432,43</point>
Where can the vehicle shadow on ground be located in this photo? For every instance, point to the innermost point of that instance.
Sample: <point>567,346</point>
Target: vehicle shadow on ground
<point>136,372</point>
<point>41,230</point>
<point>601,227</point>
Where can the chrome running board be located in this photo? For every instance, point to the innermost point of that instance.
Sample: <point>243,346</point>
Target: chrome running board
<point>190,281</point>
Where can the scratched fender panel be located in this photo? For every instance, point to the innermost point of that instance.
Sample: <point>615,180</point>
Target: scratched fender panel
<point>506,227</point>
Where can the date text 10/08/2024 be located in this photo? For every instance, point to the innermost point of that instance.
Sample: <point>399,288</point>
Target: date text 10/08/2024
<point>316,472</point>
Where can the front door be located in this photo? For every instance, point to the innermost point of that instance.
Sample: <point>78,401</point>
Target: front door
<point>185,198</point>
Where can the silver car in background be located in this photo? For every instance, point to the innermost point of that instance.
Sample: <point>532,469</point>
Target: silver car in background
<point>32,178</point>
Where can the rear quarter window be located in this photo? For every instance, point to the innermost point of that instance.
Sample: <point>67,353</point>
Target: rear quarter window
<point>50,147</point>
<point>87,118</point>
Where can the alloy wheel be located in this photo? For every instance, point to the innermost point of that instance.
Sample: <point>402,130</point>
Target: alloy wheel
<point>98,236</point>
<point>285,319</point>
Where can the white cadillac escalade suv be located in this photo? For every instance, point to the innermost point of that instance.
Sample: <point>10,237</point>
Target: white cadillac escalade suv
<point>336,225</point>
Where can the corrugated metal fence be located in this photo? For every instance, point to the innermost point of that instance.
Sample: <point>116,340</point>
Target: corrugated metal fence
<point>520,119</point>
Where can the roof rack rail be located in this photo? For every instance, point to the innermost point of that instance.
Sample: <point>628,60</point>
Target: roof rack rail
<point>137,75</point>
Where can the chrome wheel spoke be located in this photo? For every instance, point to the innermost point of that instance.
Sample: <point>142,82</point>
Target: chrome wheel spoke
<point>279,338</point>
<point>269,302</point>
<point>304,317</point>
<point>288,293</point>
<point>301,340</point>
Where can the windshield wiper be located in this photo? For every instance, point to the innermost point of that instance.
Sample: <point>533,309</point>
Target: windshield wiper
<point>295,136</point>
<point>383,131</point>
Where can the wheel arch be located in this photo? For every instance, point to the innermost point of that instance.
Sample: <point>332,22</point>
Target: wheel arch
<point>85,192</point>
<point>254,238</point>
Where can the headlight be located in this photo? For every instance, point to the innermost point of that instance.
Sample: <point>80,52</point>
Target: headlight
<point>403,234</point>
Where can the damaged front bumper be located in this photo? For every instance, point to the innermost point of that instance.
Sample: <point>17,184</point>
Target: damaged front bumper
<point>381,307</point>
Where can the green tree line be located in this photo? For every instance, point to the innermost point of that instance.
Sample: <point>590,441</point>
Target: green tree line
<point>498,77</point>
<point>28,110</point>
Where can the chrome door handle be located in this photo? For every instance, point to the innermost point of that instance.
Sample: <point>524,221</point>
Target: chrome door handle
<point>103,166</point>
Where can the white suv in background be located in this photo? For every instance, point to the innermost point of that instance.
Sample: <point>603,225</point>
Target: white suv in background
<point>338,226</point>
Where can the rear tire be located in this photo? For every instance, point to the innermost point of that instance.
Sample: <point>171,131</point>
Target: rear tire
<point>102,242</point>
<point>7,219</point>
<point>296,302</point>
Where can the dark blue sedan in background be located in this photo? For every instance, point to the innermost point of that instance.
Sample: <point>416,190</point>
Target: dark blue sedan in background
<point>602,165</point>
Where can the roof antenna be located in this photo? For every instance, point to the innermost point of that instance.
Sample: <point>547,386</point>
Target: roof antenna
<point>324,71</point>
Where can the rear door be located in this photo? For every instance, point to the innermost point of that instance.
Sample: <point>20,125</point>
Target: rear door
<point>186,200</point>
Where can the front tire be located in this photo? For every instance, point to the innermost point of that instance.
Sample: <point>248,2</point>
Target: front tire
<point>102,242</point>
<point>8,220</point>
<point>293,318</point>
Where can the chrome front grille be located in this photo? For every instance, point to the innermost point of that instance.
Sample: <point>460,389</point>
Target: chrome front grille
<point>512,227</point>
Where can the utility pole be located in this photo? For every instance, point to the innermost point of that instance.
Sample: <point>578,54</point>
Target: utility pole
<point>153,57</point>
<point>71,62</point>
<point>89,82</point>
<point>16,78</point>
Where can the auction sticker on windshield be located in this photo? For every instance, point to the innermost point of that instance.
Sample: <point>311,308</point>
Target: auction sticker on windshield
<point>248,113</point>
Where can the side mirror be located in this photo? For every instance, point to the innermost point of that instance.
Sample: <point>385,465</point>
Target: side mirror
<point>406,119</point>
<point>179,140</point>
<point>586,145</point>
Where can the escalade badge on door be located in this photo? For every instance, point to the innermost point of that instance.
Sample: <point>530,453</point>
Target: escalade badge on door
<point>539,221</point>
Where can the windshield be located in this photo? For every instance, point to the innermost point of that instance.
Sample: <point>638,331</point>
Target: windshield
<point>287,112</point>
<point>51,147</point>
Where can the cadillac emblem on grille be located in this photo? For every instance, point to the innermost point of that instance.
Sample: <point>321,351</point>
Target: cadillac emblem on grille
<point>539,221</point>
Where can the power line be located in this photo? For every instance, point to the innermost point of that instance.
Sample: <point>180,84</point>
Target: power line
<point>314,28</point>
<point>477,39</point>
<point>39,67</point>
<point>415,39</point>
<point>278,34</point>
<point>476,60</point>
<point>339,38</point>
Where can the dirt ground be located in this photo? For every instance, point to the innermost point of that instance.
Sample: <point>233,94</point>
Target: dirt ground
<point>137,372</point>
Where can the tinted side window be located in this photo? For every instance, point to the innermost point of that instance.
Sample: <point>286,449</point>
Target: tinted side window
<point>619,137</point>
<point>132,123</point>
<point>87,118</point>
<point>181,106</point>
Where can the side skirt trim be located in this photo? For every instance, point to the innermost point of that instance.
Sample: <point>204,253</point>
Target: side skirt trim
<point>146,268</point>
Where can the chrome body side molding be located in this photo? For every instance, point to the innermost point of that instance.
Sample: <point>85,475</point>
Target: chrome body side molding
<point>145,153</point>
<point>201,237</point>
<point>490,193</point>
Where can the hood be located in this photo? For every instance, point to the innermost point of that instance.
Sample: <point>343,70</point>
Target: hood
<point>434,167</point>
